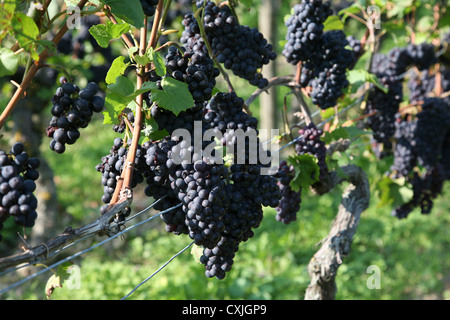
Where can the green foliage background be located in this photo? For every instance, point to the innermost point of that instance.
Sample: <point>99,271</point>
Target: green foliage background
<point>412,254</point>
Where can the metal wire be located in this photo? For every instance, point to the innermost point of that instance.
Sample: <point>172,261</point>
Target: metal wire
<point>87,250</point>
<point>162,267</point>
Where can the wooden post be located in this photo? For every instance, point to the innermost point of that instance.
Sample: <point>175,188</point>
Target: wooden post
<point>268,101</point>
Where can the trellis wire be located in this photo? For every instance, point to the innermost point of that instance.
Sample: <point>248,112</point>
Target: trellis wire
<point>56,252</point>
<point>88,249</point>
<point>162,267</point>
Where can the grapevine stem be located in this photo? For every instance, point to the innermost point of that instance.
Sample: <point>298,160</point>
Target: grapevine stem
<point>113,20</point>
<point>155,27</point>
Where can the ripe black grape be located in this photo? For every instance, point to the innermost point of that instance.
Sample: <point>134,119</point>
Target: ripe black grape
<point>149,6</point>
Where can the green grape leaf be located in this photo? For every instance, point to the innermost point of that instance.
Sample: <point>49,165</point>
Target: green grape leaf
<point>57,279</point>
<point>129,11</point>
<point>306,171</point>
<point>122,86</point>
<point>158,61</point>
<point>117,68</point>
<point>343,133</point>
<point>107,32</point>
<point>26,33</point>
<point>7,9</point>
<point>333,23</point>
<point>393,192</point>
<point>121,94</point>
<point>174,96</point>
<point>360,76</point>
<point>8,62</point>
<point>196,252</point>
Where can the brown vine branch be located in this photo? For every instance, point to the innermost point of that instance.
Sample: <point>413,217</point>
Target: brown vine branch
<point>324,265</point>
<point>138,117</point>
<point>155,28</point>
<point>32,72</point>
<point>124,37</point>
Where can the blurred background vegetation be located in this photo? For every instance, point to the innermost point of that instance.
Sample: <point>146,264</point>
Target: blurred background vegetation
<point>413,254</point>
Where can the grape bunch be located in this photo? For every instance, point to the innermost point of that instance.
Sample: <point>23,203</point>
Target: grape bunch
<point>323,56</point>
<point>382,106</point>
<point>423,141</point>
<point>149,6</point>
<point>290,200</point>
<point>18,173</point>
<point>196,69</point>
<point>72,109</point>
<point>244,213</point>
<point>309,142</point>
<point>329,69</point>
<point>219,204</point>
<point>305,29</point>
<point>390,69</point>
<point>241,49</point>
